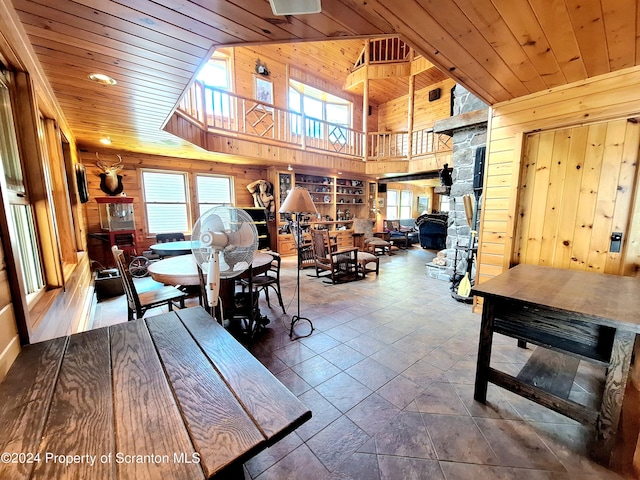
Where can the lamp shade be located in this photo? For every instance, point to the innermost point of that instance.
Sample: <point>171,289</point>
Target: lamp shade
<point>298,201</point>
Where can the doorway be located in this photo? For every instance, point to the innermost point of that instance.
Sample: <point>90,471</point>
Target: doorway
<point>577,189</point>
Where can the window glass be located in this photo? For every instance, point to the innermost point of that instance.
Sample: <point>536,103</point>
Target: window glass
<point>8,144</point>
<point>319,107</point>
<point>405,203</point>
<point>392,204</point>
<point>213,191</point>
<point>22,218</point>
<point>215,73</point>
<point>165,196</point>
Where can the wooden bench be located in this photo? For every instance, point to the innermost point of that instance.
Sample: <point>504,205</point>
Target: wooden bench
<point>172,396</point>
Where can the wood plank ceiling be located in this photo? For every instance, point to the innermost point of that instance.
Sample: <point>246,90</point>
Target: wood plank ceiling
<point>499,49</point>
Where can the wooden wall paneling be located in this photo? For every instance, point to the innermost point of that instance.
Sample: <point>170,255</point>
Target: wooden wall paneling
<point>587,197</point>
<point>600,258</point>
<point>550,242</point>
<point>631,247</point>
<point>608,96</point>
<point>426,112</point>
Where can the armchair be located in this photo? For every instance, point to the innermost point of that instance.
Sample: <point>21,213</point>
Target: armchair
<point>342,265</point>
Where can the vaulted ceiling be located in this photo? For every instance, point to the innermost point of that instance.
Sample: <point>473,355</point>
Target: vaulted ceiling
<point>498,49</point>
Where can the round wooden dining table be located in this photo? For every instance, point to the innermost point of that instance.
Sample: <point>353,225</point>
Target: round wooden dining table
<point>183,270</point>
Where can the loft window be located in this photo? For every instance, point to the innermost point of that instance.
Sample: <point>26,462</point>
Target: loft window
<point>319,108</point>
<point>216,74</point>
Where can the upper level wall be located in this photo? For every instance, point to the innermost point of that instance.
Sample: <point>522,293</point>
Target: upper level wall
<point>393,115</point>
<point>609,96</point>
<point>244,61</point>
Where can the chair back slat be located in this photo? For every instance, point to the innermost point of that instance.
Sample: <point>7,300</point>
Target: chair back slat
<point>320,240</point>
<point>169,237</point>
<point>127,280</point>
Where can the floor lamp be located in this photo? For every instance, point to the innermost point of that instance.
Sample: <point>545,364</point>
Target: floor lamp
<point>298,202</point>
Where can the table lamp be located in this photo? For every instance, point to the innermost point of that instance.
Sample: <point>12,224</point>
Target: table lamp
<point>298,202</point>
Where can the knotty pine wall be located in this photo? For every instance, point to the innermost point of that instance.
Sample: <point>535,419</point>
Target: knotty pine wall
<point>607,97</point>
<point>392,116</point>
<point>132,178</point>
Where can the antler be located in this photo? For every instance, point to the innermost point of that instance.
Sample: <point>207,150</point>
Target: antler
<point>112,167</point>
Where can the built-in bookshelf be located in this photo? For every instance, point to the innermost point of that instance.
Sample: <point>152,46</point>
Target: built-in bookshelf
<point>338,201</point>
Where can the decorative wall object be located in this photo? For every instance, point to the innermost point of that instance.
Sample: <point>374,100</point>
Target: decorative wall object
<point>263,90</point>
<point>110,181</point>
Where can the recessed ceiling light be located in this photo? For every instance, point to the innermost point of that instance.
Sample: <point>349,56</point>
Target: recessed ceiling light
<point>295,7</point>
<point>105,141</point>
<point>102,78</point>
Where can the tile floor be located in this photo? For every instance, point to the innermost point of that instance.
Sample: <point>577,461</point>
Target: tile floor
<point>388,373</point>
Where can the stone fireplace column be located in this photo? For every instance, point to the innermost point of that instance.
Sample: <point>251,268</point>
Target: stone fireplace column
<point>468,129</point>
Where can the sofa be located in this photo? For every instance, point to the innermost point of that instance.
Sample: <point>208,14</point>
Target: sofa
<point>402,232</point>
<point>433,230</point>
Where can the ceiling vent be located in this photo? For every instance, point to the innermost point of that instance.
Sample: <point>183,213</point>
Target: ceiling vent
<point>295,7</point>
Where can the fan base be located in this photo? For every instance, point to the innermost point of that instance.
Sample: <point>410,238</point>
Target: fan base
<point>295,319</point>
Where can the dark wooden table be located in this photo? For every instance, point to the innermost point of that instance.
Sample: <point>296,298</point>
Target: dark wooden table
<point>173,396</point>
<point>585,315</point>
<point>172,249</point>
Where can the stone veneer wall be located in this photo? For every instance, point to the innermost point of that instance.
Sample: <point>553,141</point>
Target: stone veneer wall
<point>465,142</point>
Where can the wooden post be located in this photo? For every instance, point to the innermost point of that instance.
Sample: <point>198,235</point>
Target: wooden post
<point>365,100</point>
<point>410,110</point>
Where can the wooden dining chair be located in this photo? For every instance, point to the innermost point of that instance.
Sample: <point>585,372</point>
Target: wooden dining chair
<point>139,303</point>
<point>267,280</point>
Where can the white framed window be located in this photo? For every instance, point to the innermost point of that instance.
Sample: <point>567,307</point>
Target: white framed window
<point>406,199</point>
<point>399,204</point>
<point>165,200</point>
<point>392,204</point>
<point>444,203</point>
<point>213,191</point>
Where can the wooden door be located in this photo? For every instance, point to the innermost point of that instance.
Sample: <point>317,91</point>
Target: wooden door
<point>577,187</point>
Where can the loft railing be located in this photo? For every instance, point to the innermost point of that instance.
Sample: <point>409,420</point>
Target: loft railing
<point>217,110</point>
<point>384,50</point>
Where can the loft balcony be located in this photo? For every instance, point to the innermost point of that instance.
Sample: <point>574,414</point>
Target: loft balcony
<point>223,122</point>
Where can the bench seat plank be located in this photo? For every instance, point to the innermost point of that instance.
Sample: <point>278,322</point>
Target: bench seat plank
<point>29,384</point>
<point>80,420</point>
<point>147,419</point>
<point>275,410</point>
<point>551,371</point>
<point>220,429</point>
